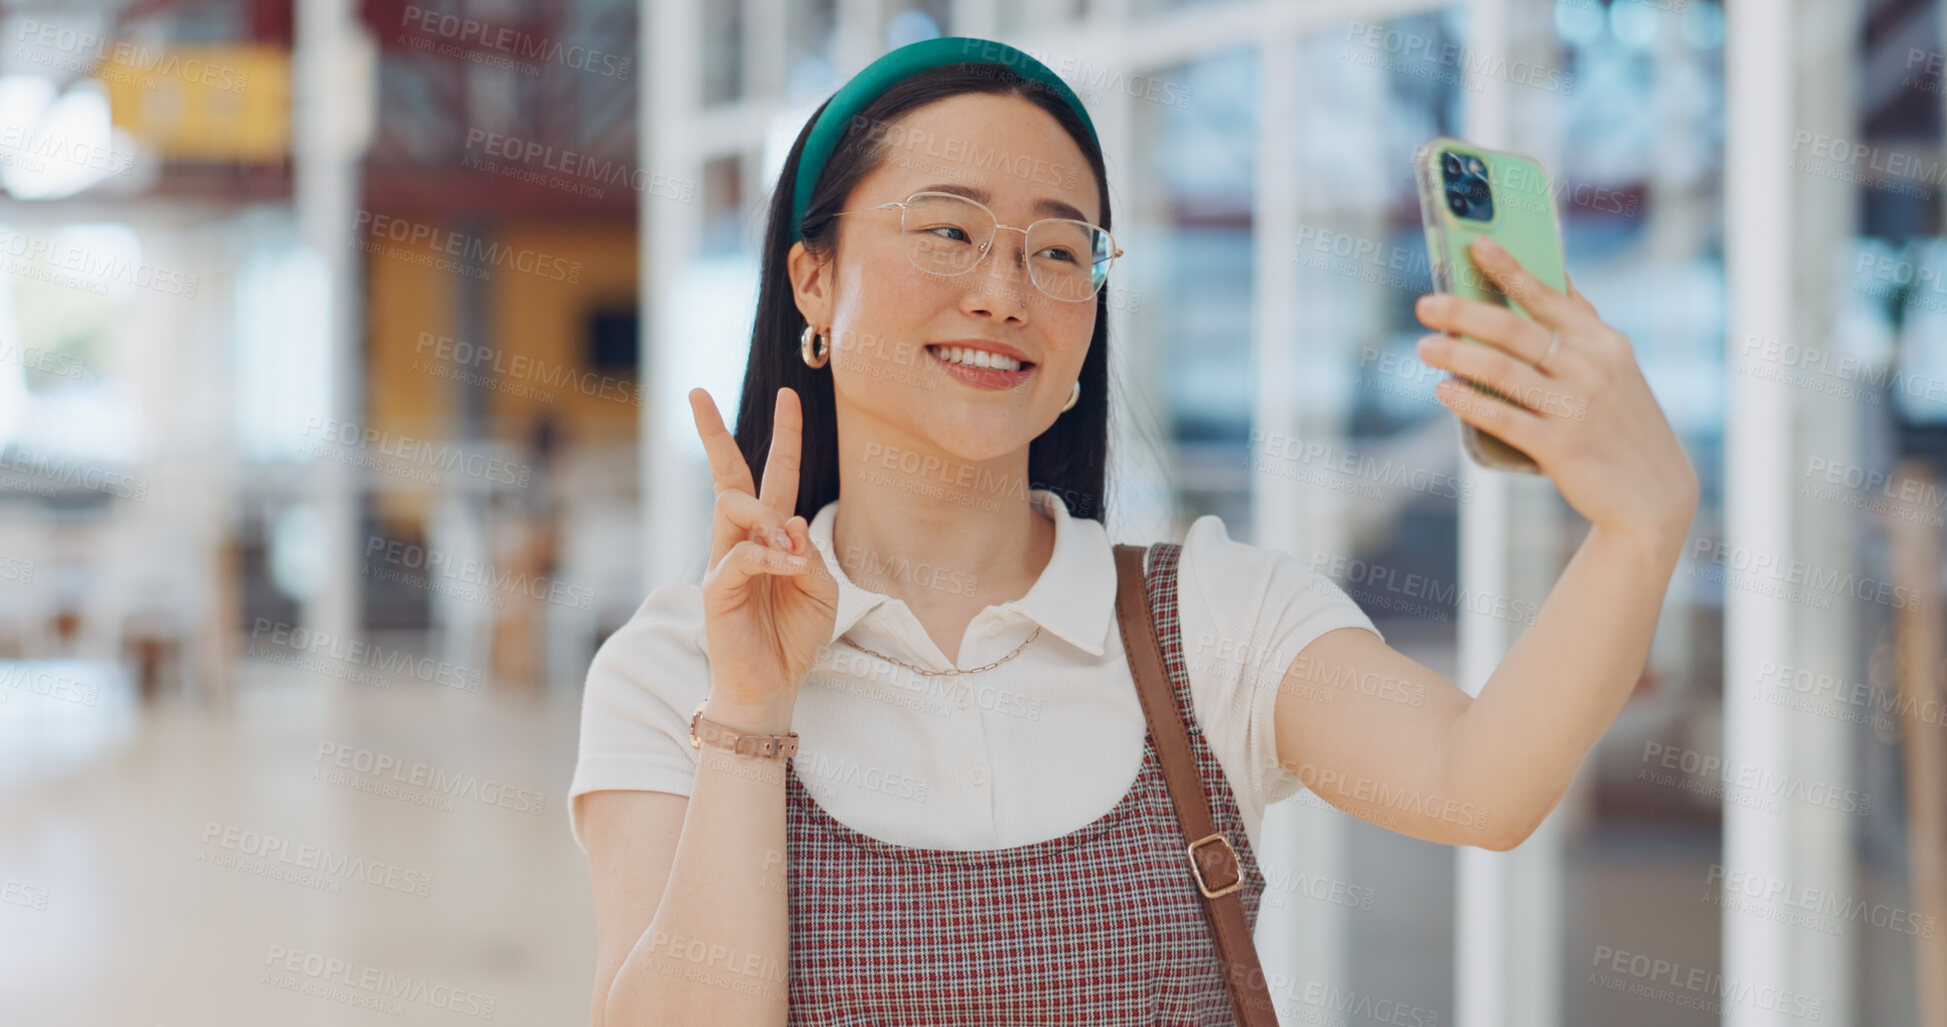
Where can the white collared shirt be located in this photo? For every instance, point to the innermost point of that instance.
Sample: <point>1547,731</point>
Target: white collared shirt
<point>1035,748</point>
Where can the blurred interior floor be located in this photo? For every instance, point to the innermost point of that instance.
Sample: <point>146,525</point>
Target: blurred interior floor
<point>123,832</point>
<point>122,901</point>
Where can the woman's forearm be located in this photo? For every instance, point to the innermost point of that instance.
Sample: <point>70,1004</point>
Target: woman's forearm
<point>718,949</point>
<point>1516,748</point>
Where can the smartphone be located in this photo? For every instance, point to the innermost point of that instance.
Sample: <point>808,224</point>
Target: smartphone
<point>1467,191</point>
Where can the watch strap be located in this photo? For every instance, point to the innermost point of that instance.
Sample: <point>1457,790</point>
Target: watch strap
<point>704,731</point>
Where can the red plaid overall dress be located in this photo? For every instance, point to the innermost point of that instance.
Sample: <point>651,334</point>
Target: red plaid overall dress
<point>1102,926</point>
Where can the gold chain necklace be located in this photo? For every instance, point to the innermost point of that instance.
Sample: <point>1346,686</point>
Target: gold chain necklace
<point>954,672</point>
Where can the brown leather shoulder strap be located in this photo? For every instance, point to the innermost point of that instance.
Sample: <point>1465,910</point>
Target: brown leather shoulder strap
<point>1210,859</point>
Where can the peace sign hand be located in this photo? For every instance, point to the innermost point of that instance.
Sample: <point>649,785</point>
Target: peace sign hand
<point>768,601</point>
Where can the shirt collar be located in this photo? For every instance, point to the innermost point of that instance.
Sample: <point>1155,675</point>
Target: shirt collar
<point>1073,599</point>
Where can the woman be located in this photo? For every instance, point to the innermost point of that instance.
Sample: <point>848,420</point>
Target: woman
<point>920,594</point>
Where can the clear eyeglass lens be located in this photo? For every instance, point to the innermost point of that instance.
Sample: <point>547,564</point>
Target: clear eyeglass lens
<point>1064,258</point>
<point>946,235</point>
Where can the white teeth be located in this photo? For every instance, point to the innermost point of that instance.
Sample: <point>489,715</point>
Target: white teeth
<point>976,358</point>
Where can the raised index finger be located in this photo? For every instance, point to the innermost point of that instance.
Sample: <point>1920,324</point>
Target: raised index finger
<point>727,467</point>
<point>1543,304</point>
<point>781,465</point>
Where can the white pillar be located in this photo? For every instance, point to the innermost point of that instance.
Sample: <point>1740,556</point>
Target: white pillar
<point>331,121</point>
<point>1304,941</point>
<point>1820,748</point>
<point>1760,51</point>
<point>670,95</point>
<point>1482,878</point>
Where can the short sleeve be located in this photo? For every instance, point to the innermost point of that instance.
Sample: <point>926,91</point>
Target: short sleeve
<point>642,686</point>
<point>1246,614</point>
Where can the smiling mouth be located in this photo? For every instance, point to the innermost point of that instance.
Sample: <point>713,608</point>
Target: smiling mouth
<point>982,369</point>
<point>977,359</point>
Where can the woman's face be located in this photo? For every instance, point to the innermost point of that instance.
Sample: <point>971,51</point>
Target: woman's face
<point>893,327</point>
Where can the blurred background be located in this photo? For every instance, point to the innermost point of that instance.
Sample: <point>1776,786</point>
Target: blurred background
<point>342,353</point>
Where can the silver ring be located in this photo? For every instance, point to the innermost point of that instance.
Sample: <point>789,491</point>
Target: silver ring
<point>1554,345</point>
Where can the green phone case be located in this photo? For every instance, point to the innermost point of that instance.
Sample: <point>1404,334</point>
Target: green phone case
<point>1522,220</point>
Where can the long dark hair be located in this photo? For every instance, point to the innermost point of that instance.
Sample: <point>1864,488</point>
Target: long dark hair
<point>1069,459</point>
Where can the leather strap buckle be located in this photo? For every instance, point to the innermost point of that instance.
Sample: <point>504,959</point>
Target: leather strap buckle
<point>1225,861</point>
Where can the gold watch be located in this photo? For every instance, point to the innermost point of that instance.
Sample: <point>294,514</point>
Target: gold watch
<point>717,736</point>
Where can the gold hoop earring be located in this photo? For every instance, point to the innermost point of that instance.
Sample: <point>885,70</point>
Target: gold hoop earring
<point>814,347</point>
<point>1073,397</point>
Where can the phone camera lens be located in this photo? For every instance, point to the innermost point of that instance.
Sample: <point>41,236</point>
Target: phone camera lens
<point>1469,196</point>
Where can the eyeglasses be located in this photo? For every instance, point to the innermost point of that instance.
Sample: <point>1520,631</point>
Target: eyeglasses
<point>945,234</point>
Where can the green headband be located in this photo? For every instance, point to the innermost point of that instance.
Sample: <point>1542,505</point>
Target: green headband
<point>880,76</point>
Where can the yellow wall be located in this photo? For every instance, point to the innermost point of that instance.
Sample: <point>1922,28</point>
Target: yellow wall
<point>545,320</point>
<point>538,316</point>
